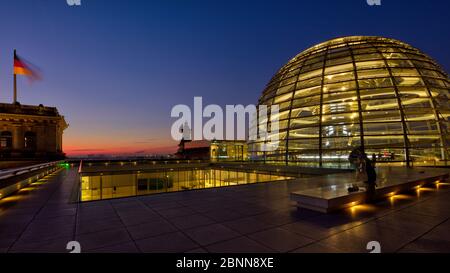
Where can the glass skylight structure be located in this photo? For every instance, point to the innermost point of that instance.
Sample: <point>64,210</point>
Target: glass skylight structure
<point>379,94</point>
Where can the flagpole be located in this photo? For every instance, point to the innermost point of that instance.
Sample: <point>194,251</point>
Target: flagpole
<point>15,82</point>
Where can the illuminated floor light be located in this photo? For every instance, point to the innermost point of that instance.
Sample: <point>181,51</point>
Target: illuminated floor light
<point>401,197</point>
<point>10,199</point>
<point>422,189</point>
<point>361,208</point>
<point>27,189</point>
<point>425,189</point>
<point>353,206</point>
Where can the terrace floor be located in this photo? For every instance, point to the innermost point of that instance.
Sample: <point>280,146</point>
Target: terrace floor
<point>249,218</point>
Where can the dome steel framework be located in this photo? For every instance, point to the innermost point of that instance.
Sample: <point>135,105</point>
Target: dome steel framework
<point>377,93</point>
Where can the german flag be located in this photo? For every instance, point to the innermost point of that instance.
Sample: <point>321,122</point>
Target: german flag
<point>21,68</point>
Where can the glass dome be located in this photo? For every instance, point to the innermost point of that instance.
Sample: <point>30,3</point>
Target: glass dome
<point>376,93</point>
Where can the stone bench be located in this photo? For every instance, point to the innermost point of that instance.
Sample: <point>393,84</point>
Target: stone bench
<point>390,182</point>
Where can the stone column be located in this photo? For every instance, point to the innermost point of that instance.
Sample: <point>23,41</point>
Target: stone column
<point>41,139</point>
<point>17,140</point>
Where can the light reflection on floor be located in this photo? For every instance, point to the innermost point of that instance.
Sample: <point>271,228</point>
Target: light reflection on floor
<point>396,200</point>
<point>23,193</point>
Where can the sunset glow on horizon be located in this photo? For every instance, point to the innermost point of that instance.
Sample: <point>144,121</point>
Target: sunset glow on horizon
<point>136,151</point>
<point>119,143</point>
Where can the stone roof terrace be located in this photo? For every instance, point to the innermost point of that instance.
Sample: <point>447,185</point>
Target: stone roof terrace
<point>249,218</point>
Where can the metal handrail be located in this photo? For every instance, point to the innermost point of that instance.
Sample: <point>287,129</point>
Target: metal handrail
<point>18,171</point>
<point>81,166</point>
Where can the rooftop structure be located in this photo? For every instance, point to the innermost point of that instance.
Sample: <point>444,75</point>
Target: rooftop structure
<point>378,93</point>
<point>28,131</point>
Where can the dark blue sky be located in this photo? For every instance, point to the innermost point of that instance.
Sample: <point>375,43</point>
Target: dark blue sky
<point>115,68</point>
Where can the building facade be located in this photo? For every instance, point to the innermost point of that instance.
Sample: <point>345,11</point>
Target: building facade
<point>214,150</point>
<point>30,132</point>
<point>379,94</point>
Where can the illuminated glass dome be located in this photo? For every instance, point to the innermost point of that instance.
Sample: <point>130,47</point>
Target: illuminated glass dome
<point>381,94</point>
